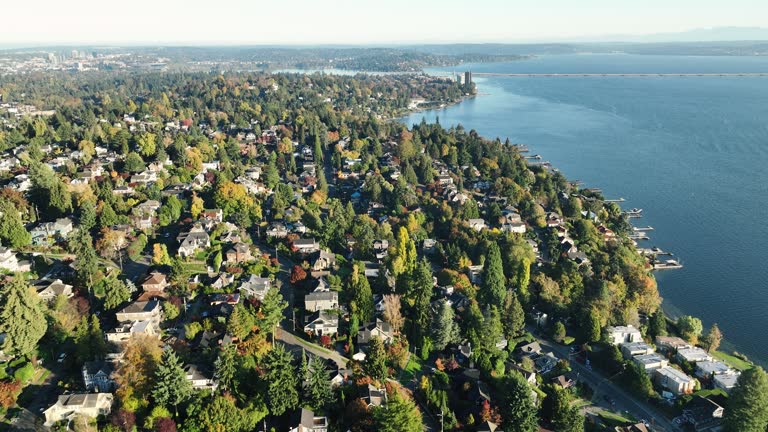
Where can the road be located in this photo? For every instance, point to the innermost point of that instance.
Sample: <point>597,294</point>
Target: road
<point>603,386</point>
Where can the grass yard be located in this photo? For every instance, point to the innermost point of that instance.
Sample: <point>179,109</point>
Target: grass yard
<point>614,419</point>
<point>734,362</point>
<point>411,369</point>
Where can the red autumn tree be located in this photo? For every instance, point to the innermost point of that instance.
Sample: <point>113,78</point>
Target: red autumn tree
<point>124,420</point>
<point>165,424</point>
<point>298,274</point>
<point>9,392</point>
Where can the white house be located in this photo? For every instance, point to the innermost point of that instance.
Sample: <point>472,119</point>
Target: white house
<point>693,355</point>
<point>623,334</point>
<point>675,381</point>
<point>68,406</point>
<point>650,362</point>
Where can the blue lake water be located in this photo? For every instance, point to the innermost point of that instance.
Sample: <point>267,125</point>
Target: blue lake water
<point>691,151</point>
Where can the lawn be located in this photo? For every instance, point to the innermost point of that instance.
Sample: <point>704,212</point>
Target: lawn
<point>734,362</point>
<point>411,369</point>
<point>614,419</point>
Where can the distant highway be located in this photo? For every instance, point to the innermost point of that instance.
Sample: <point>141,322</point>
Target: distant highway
<point>634,75</point>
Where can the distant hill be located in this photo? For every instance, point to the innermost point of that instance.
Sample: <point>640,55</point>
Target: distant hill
<point>715,34</point>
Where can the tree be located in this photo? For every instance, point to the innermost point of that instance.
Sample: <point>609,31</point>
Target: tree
<point>565,418</point>
<point>298,274</point>
<point>658,324</point>
<point>87,261</point>
<point>493,289</point>
<point>160,254</point>
<point>115,292</point>
<point>87,215</point>
<point>12,231</point>
<point>165,424</point>
<point>146,144</point>
<point>400,415</point>
<point>420,295</point>
<point>107,217</point>
<point>444,328</point>
<point>111,244</point>
<point>317,390</point>
<point>124,419</point>
<point>89,340</point>
<point>375,365</point>
<point>558,332</point>
<point>241,322</point>
<point>196,207</point>
<point>271,311</point>
<point>392,313</point>
<point>747,409</point>
<point>714,337</point>
<point>590,328</point>
<point>87,150</point>
<point>514,316</point>
<point>171,384</point>
<point>361,295</point>
<point>224,367</point>
<point>280,377</point>
<point>134,163</point>
<point>22,317</point>
<point>517,407</point>
<point>135,375</point>
<point>690,328</point>
<point>9,392</point>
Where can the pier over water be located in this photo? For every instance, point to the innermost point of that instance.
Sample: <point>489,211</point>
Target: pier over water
<point>629,75</point>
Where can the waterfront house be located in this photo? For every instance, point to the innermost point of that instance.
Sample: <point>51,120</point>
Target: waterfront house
<point>674,380</point>
<point>69,406</point>
<point>706,369</point>
<point>632,349</point>
<point>670,344</point>
<point>623,334</point>
<point>650,362</point>
<point>692,355</point>
<point>726,381</point>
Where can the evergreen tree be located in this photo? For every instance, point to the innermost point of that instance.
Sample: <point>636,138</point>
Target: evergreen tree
<point>444,329</point>
<point>89,340</point>
<point>281,381</point>
<point>658,324</point>
<point>12,231</point>
<point>171,384</point>
<point>22,317</point>
<point>421,294</point>
<point>108,217</point>
<point>115,292</point>
<point>514,316</point>
<point>87,215</point>
<point>224,367</point>
<point>240,322</point>
<point>493,289</point>
<point>271,310</point>
<point>565,418</point>
<point>361,294</point>
<point>400,415</point>
<point>317,390</point>
<point>747,409</point>
<point>375,365</point>
<point>517,407</point>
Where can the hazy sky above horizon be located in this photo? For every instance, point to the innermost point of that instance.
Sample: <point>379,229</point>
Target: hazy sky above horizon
<point>360,21</point>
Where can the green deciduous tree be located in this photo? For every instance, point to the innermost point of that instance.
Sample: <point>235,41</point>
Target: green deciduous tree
<point>747,409</point>
<point>714,338</point>
<point>22,317</point>
<point>400,415</point>
<point>690,328</point>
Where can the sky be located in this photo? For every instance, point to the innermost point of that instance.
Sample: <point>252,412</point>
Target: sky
<point>359,21</point>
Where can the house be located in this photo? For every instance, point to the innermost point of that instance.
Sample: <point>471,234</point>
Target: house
<point>10,263</point>
<point>49,233</point>
<point>650,362</point>
<point>514,227</point>
<point>155,284</point>
<point>703,413</point>
<point>148,208</point>
<point>200,378</point>
<point>726,381</point>
<point>637,427</point>
<point>476,224</point>
<point>545,363</point>
<point>192,241</point>
<point>428,246</point>
<point>277,230</point>
<point>321,300</point>
<point>623,334</point>
<point>554,220</point>
<point>670,344</point>
<point>49,291</point>
<point>97,376</point>
<point>632,349</point>
<point>380,329</point>
<point>323,260</point>
<point>213,215</point>
<point>322,323</point>
<point>127,330</point>
<point>256,287</point>
<point>564,381</point>
<point>530,349</point>
<point>239,253</point>
<point>692,355</point>
<point>221,298</point>
<point>305,420</point>
<point>376,396</point>
<point>706,369</point>
<point>306,246</point>
<point>674,380</point>
<point>222,280</point>
<point>68,406</point>
<point>529,376</point>
<point>141,311</point>
<point>488,426</point>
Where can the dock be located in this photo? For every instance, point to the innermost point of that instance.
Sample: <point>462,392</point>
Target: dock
<point>641,229</point>
<point>618,200</point>
<point>639,236</point>
<point>628,75</point>
<point>654,251</point>
<point>667,265</point>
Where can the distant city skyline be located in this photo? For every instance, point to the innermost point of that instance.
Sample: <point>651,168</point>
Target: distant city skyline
<point>302,22</point>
